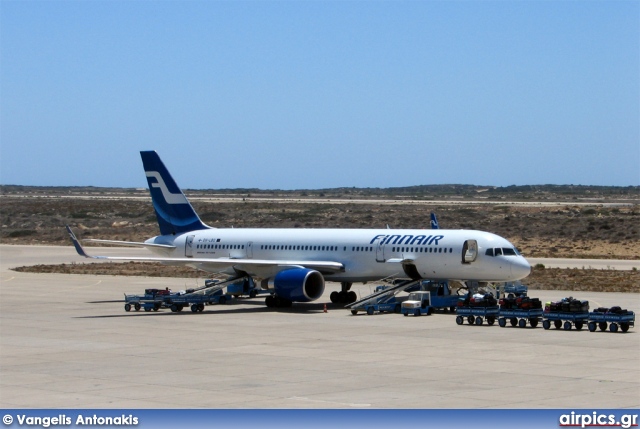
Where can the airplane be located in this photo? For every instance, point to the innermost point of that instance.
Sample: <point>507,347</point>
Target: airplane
<point>434,222</point>
<point>293,264</point>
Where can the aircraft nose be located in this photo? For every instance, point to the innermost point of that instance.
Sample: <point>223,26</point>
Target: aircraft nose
<point>520,268</point>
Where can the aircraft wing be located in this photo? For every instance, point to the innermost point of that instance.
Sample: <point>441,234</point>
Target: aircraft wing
<point>253,266</point>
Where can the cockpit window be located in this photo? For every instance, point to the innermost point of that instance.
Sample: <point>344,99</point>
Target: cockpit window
<point>500,251</point>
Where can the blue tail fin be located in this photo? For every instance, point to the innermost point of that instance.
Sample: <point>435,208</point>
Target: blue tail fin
<point>434,222</point>
<point>175,214</point>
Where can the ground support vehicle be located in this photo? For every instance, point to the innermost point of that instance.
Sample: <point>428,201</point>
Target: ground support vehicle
<point>565,320</point>
<point>476,315</point>
<point>382,302</point>
<point>520,317</point>
<point>601,320</point>
<point>153,299</point>
<point>441,295</point>
<point>417,304</point>
<point>382,299</point>
<point>515,289</point>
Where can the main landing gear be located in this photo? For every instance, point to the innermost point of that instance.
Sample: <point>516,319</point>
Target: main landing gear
<point>274,301</point>
<point>345,296</point>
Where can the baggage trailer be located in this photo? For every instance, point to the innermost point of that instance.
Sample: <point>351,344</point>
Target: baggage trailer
<point>600,320</point>
<point>197,301</point>
<point>520,317</point>
<point>565,320</point>
<point>475,315</point>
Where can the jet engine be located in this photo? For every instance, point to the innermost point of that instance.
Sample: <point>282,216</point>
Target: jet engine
<point>299,284</point>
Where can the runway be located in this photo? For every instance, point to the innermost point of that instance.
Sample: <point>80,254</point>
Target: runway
<point>66,342</point>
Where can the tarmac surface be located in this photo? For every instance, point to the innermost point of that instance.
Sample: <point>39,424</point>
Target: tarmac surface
<point>66,342</point>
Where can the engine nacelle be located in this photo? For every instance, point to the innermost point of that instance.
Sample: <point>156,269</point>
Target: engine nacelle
<point>299,284</point>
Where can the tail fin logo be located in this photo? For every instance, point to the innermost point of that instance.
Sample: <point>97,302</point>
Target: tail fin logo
<point>170,198</point>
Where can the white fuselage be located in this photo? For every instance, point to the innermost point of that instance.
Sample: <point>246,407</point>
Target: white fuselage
<point>366,254</point>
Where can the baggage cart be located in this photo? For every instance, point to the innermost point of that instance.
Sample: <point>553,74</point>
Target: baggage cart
<point>564,320</point>
<point>520,317</point>
<point>476,315</point>
<point>612,320</point>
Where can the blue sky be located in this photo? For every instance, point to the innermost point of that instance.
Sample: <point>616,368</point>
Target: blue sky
<point>318,94</point>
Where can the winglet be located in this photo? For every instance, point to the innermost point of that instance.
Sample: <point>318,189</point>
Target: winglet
<point>76,243</point>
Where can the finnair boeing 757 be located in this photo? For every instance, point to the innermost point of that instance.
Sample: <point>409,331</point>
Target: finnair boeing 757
<point>294,263</point>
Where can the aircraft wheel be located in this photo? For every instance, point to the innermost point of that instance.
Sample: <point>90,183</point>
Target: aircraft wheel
<point>351,297</point>
<point>269,301</point>
<point>127,307</point>
<point>334,297</point>
<point>459,320</point>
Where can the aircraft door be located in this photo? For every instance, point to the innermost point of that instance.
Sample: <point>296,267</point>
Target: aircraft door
<point>469,251</point>
<point>188,246</point>
<point>380,253</point>
<point>250,249</point>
